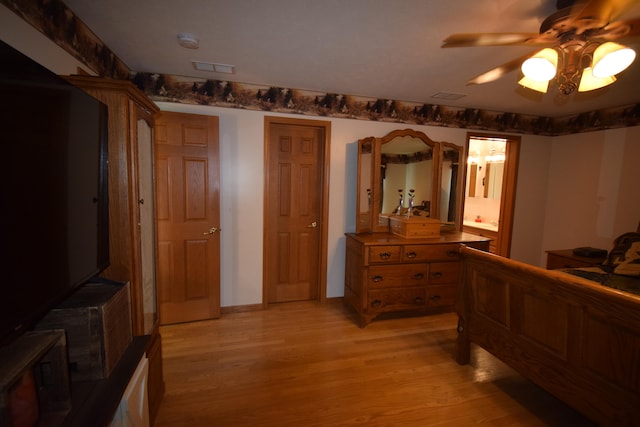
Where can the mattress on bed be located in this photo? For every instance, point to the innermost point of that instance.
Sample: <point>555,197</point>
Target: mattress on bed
<point>606,277</point>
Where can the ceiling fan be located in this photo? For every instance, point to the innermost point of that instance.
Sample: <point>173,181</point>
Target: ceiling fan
<point>577,44</point>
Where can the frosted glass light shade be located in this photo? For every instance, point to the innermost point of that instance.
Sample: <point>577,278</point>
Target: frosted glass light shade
<point>534,84</point>
<point>611,58</point>
<point>541,67</point>
<point>589,82</point>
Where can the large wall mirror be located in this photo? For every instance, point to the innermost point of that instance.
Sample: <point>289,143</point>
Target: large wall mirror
<point>407,163</point>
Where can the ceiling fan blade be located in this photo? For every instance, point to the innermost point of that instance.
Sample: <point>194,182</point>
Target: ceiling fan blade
<point>592,14</point>
<point>489,39</point>
<point>618,29</point>
<point>498,72</point>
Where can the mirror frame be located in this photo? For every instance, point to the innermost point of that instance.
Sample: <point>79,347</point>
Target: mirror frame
<point>363,218</point>
<point>457,221</point>
<point>373,223</point>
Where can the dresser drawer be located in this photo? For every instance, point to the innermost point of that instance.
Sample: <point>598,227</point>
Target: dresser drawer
<point>379,254</point>
<point>399,299</point>
<point>397,275</point>
<point>431,252</point>
<point>441,296</point>
<point>443,272</point>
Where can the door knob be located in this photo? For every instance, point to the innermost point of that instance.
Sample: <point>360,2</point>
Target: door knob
<point>314,224</point>
<point>212,230</point>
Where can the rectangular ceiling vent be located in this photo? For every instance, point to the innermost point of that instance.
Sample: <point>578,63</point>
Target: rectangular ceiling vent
<point>448,96</point>
<point>213,67</point>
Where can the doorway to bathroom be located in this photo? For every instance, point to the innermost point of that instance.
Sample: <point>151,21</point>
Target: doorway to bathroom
<point>490,188</point>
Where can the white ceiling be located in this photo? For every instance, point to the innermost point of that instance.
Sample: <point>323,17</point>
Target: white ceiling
<point>387,49</point>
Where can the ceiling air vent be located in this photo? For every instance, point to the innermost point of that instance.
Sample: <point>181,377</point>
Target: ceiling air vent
<point>448,96</point>
<point>213,67</point>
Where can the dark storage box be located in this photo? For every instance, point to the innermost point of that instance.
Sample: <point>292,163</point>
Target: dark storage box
<point>97,320</point>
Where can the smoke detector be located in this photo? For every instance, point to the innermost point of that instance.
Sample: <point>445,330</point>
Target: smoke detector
<point>188,40</point>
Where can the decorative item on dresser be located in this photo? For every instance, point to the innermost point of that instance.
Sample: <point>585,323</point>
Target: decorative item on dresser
<point>403,257</point>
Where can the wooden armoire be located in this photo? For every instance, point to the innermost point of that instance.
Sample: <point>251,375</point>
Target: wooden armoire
<point>132,225</point>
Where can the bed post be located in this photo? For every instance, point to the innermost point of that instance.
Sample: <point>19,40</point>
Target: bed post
<point>463,345</point>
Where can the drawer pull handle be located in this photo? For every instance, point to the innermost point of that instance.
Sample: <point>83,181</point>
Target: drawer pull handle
<point>452,253</point>
<point>376,279</point>
<point>437,274</point>
<point>417,300</point>
<point>376,303</point>
<point>385,255</point>
<point>418,276</point>
<point>411,254</point>
<point>435,298</point>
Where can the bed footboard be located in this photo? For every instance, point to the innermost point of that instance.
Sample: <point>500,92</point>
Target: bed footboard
<point>577,339</point>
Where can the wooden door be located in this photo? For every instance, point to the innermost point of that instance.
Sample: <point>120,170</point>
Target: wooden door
<point>294,202</point>
<point>188,205</point>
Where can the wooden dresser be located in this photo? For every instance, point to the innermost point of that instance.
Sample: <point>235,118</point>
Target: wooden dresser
<point>565,258</point>
<point>385,273</point>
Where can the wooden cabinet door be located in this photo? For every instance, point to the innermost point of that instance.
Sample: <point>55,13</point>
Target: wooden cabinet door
<point>188,216</point>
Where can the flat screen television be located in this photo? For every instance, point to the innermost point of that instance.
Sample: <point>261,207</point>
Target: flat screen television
<point>53,188</point>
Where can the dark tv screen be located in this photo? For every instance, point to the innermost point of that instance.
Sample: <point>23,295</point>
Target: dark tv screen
<point>53,190</point>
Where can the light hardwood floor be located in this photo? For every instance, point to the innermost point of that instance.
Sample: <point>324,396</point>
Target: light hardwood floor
<point>308,364</point>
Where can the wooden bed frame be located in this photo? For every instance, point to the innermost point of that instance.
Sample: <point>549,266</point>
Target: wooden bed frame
<point>575,338</point>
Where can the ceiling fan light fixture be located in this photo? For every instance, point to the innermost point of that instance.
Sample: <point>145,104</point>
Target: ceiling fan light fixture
<point>541,67</point>
<point>539,86</point>
<point>611,58</point>
<point>589,82</point>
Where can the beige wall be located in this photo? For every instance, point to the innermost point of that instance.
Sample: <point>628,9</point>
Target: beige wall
<point>242,169</point>
<point>571,190</point>
<point>593,191</point>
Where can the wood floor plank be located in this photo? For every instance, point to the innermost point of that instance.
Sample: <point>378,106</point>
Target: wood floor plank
<point>308,364</point>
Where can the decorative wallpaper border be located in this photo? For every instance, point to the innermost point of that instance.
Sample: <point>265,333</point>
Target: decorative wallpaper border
<point>55,20</point>
<point>220,93</point>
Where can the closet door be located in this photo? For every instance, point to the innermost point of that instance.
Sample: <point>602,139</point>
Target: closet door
<point>188,216</point>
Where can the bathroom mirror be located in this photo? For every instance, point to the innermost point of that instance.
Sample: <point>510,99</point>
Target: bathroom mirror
<point>407,162</point>
<point>493,186</point>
